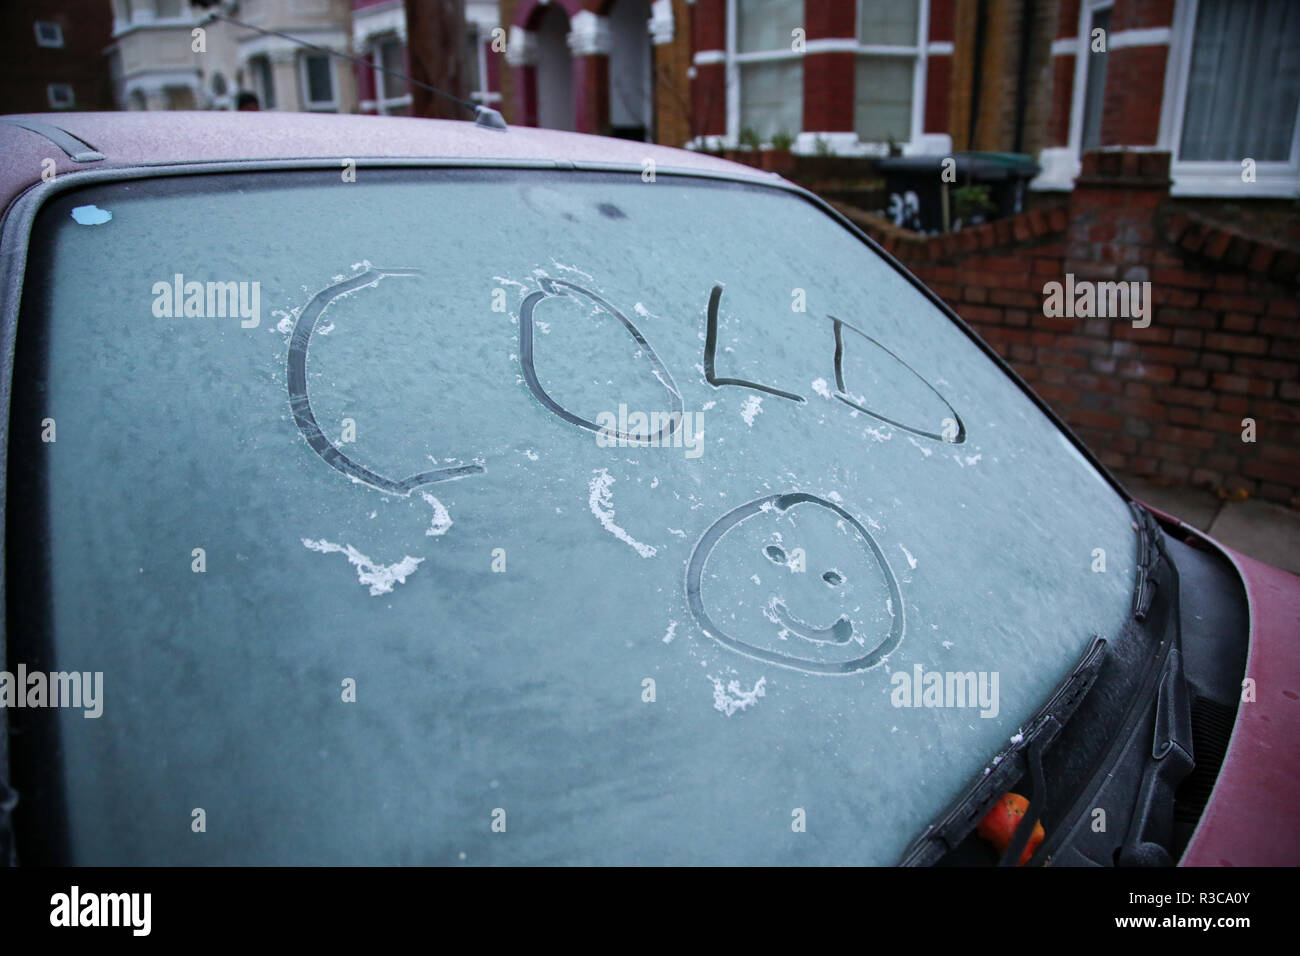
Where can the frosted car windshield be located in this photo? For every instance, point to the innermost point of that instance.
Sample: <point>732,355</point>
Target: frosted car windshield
<point>525,517</point>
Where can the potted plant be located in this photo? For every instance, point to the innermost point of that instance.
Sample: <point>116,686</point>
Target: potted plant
<point>748,145</point>
<point>970,204</point>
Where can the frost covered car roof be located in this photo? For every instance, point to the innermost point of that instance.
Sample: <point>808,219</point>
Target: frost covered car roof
<point>133,138</point>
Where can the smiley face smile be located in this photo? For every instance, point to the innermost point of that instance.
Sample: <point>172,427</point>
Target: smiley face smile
<point>841,632</point>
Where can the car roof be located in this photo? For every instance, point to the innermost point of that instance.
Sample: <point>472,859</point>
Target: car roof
<point>135,138</point>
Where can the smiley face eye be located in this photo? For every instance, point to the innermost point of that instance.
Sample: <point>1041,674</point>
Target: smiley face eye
<point>775,554</point>
<point>833,578</point>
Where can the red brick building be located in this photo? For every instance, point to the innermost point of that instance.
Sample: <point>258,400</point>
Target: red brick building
<point>51,55</point>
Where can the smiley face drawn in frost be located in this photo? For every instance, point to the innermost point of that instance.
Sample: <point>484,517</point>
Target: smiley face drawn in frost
<point>794,637</point>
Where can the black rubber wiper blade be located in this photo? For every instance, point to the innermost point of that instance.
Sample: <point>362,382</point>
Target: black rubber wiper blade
<point>1148,531</point>
<point>1011,764</point>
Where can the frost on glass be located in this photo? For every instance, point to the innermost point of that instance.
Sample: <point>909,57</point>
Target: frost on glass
<point>501,616</point>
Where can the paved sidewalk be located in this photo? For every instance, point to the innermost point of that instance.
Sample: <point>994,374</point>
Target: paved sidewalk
<point>1265,531</point>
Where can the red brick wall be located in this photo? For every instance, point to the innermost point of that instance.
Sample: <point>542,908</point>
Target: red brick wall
<point>1140,14</point>
<point>26,68</point>
<point>1167,400</point>
<point>941,21</point>
<point>591,97</point>
<point>709,100</point>
<point>1067,19</point>
<point>709,25</point>
<point>938,84</point>
<point>828,91</point>
<point>1135,80</point>
<point>831,18</point>
<point>1058,121</point>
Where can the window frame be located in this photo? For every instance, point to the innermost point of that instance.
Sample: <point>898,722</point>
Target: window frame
<point>483,93</point>
<point>1273,178</point>
<point>735,59</point>
<point>262,73</point>
<point>50,96</point>
<point>391,105</point>
<point>918,52</point>
<point>54,42</point>
<point>304,82</point>
<point>1061,165</point>
<point>1082,59</point>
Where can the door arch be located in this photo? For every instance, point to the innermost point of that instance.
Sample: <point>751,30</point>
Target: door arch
<point>631,77</point>
<point>555,107</point>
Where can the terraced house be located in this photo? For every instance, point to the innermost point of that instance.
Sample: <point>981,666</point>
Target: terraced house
<point>156,64</point>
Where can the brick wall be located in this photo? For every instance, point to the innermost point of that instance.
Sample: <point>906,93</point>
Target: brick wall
<point>709,87</point>
<point>1166,401</point>
<point>829,92</point>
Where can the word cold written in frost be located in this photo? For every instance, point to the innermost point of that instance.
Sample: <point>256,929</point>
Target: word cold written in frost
<point>1100,300</point>
<point>208,300</point>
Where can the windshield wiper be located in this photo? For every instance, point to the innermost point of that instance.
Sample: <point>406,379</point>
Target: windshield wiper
<point>1148,530</point>
<point>1157,693</point>
<point>1023,756</point>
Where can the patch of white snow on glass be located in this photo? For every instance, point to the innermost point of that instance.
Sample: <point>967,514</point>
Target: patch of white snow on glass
<point>731,698</point>
<point>441,519</point>
<point>380,578</point>
<point>601,502</point>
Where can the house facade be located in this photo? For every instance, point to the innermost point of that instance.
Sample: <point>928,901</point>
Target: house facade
<point>1213,82</point>
<point>160,63</point>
